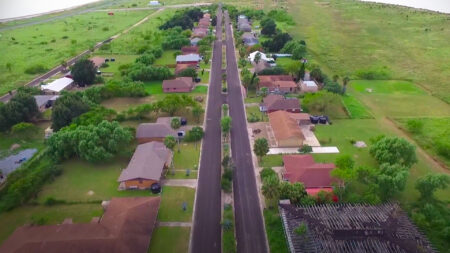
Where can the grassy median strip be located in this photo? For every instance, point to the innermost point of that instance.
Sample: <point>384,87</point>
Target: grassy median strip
<point>228,239</point>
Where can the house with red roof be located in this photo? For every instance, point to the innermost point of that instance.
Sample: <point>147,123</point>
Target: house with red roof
<point>314,176</point>
<point>284,83</point>
<point>179,84</point>
<point>275,102</point>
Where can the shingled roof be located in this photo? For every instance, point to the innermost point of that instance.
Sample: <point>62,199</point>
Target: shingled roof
<point>178,83</point>
<point>153,130</point>
<point>352,228</point>
<point>303,169</point>
<point>125,227</point>
<point>285,127</point>
<point>148,162</point>
<point>276,81</point>
<point>274,102</point>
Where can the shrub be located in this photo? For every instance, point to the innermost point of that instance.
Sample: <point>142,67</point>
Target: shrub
<point>35,69</point>
<point>415,126</point>
<point>105,47</point>
<point>50,201</point>
<point>374,73</point>
<point>267,172</point>
<point>24,130</point>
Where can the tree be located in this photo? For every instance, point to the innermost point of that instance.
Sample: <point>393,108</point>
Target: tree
<point>170,142</point>
<point>195,134</point>
<point>294,192</point>
<point>299,52</point>
<point>197,111</point>
<point>261,147</point>
<point>21,108</point>
<point>175,123</point>
<point>242,52</point>
<point>9,66</point>
<point>345,81</point>
<point>242,63</point>
<point>264,91</point>
<point>271,188</point>
<point>305,149</point>
<point>332,86</point>
<point>301,72</point>
<point>391,179</point>
<point>429,183</point>
<point>293,68</point>
<point>277,43</point>
<point>188,72</point>
<point>345,162</point>
<point>301,229</point>
<point>66,108</point>
<point>173,102</point>
<point>394,150</point>
<point>335,78</point>
<point>225,124</point>
<point>206,58</point>
<point>203,49</point>
<point>257,58</point>
<point>93,143</point>
<point>83,72</point>
<point>268,27</point>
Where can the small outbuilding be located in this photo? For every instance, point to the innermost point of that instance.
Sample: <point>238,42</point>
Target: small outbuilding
<point>57,86</point>
<point>45,101</point>
<point>154,3</point>
<point>188,59</point>
<point>308,86</point>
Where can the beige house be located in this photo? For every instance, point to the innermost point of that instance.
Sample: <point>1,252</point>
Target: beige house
<point>286,129</point>
<point>308,86</point>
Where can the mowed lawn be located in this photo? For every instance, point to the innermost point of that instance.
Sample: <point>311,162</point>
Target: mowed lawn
<point>351,36</point>
<point>27,214</point>
<point>188,156</point>
<point>170,240</point>
<point>50,43</point>
<point>393,98</point>
<point>172,199</point>
<point>433,130</point>
<point>342,132</point>
<point>168,58</point>
<point>355,108</point>
<point>113,67</point>
<point>83,181</point>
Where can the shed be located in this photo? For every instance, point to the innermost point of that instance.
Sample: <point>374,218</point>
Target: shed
<point>57,85</point>
<point>308,86</point>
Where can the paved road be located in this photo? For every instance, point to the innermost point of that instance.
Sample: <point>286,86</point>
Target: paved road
<point>206,234</point>
<point>250,233</point>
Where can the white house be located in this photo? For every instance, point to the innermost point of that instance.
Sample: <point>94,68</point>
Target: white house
<point>271,61</point>
<point>153,3</point>
<point>308,86</point>
<point>57,86</point>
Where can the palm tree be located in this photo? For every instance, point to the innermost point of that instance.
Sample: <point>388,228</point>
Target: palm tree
<point>345,81</point>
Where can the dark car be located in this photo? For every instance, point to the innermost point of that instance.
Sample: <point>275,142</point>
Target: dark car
<point>155,188</point>
<point>197,79</point>
<point>183,121</point>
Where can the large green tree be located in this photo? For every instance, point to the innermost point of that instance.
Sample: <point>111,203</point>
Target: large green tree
<point>394,150</point>
<point>93,143</point>
<point>66,108</point>
<point>261,147</point>
<point>83,72</point>
<point>170,142</point>
<point>21,108</point>
<point>271,189</point>
<point>225,124</point>
<point>429,183</point>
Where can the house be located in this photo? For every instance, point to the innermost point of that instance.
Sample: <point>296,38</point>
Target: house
<point>125,227</point>
<point>194,41</point>
<point>146,166</point>
<point>243,24</point>
<point>303,169</point>
<point>188,59</point>
<point>153,3</point>
<point>147,132</point>
<point>189,50</point>
<point>199,32</point>
<point>275,102</point>
<point>249,39</point>
<point>45,101</point>
<point>276,83</point>
<point>181,66</point>
<point>286,130</point>
<point>57,85</point>
<point>179,84</point>
<point>308,86</point>
<point>98,61</point>
<point>263,58</point>
<point>351,228</point>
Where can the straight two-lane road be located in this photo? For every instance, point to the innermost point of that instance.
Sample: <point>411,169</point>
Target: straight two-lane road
<point>250,233</point>
<point>206,234</point>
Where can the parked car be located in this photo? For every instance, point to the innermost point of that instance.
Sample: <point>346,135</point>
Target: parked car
<point>197,79</point>
<point>183,121</point>
<point>181,134</point>
<point>155,188</point>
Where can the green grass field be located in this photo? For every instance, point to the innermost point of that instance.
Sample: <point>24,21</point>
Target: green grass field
<point>167,58</point>
<point>113,67</point>
<point>254,110</point>
<point>188,156</point>
<point>433,130</point>
<point>171,208</point>
<point>355,109</point>
<point>181,174</point>
<point>50,43</point>
<point>352,36</point>
<point>394,99</point>
<point>170,240</point>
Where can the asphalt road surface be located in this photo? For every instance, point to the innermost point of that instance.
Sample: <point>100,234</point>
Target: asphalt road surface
<point>206,234</point>
<point>250,233</point>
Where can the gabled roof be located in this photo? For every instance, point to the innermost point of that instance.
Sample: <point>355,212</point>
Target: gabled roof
<point>98,61</point>
<point>125,227</point>
<point>352,228</point>
<point>277,81</point>
<point>310,83</point>
<point>303,169</point>
<point>279,102</point>
<point>153,130</point>
<point>43,99</point>
<point>188,58</point>
<point>189,50</point>
<point>179,82</point>
<point>148,162</point>
<point>58,84</point>
<point>284,127</point>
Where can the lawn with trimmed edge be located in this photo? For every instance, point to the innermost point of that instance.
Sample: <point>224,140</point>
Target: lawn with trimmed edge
<point>170,240</point>
<point>172,199</point>
<point>228,239</point>
<point>355,109</point>
<point>188,156</point>
<point>181,174</point>
<point>256,112</point>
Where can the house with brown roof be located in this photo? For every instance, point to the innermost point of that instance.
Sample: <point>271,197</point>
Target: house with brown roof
<point>275,102</point>
<point>199,32</point>
<point>98,61</point>
<point>182,66</point>
<point>283,83</point>
<point>146,166</point>
<point>286,130</point>
<point>147,132</point>
<point>303,169</point>
<point>125,227</point>
<point>179,84</point>
<point>189,50</point>
<point>308,86</point>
